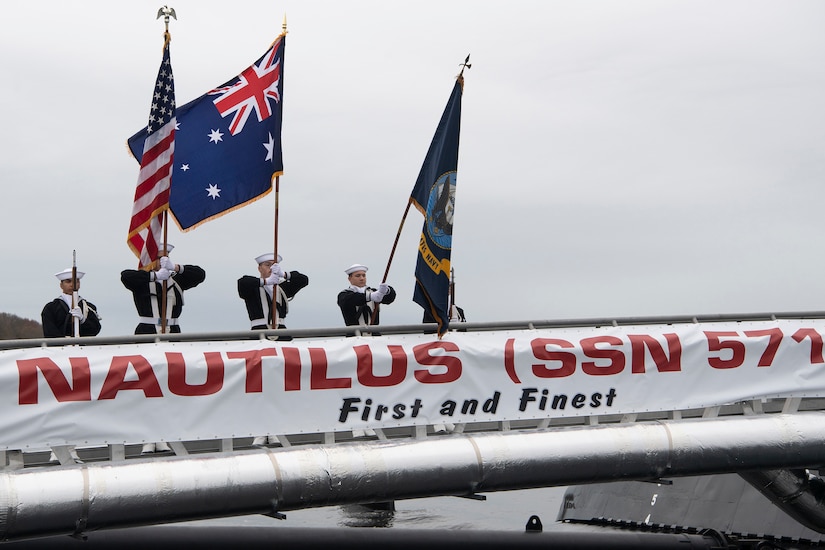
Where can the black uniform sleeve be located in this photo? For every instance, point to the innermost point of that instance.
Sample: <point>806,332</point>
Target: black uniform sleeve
<point>296,282</point>
<point>248,287</point>
<point>190,277</point>
<point>53,318</point>
<point>349,299</point>
<point>134,279</point>
<point>349,302</point>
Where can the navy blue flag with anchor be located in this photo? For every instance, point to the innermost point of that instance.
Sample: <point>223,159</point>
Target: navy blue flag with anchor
<point>434,196</point>
<point>227,143</point>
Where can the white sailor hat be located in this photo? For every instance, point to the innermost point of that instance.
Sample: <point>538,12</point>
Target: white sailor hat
<point>268,257</point>
<point>355,267</point>
<point>67,274</point>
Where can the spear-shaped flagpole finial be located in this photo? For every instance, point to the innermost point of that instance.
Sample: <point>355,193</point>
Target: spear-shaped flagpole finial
<point>465,65</point>
<point>167,12</point>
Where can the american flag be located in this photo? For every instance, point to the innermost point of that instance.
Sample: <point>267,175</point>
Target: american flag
<point>154,179</point>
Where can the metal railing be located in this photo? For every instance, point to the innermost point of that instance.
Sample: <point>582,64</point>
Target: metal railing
<point>327,332</point>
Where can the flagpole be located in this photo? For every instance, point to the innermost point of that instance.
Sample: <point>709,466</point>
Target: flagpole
<point>275,314</point>
<point>276,321</point>
<point>392,253</point>
<point>165,281</point>
<point>166,12</point>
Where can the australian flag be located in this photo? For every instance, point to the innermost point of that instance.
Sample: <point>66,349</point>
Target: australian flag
<point>227,143</point>
<point>434,196</point>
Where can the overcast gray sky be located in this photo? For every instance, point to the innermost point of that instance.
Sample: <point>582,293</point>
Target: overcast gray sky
<point>643,157</point>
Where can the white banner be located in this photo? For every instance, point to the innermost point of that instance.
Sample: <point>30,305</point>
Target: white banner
<point>92,395</point>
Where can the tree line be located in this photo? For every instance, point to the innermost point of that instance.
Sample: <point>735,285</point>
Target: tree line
<point>13,327</point>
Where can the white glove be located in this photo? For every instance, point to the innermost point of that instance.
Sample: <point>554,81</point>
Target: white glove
<point>276,275</point>
<point>77,312</point>
<point>162,274</point>
<point>378,295</point>
<point>166,263</point>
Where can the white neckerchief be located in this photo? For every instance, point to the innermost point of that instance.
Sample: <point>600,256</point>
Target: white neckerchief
<point>68,299</point>
<point>269,288</point>
<point>361,289</point>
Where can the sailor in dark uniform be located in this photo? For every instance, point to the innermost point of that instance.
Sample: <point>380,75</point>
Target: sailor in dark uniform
<point>58,321</point>
<point>358,301</point>
<point>58,315</point>
<point>147,291</point>
<point>257,292</point>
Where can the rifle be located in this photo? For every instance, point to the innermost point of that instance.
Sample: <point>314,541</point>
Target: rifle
<point>76,321</point>
<point>456,313</point>
<point>452,292</point>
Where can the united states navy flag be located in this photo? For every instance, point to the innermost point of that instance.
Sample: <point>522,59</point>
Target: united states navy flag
<point>434,196</point>
<point>227,143</point>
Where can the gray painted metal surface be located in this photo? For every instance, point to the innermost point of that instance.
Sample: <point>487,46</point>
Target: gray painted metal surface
<point>74,499</point>
<point>722,502</point>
